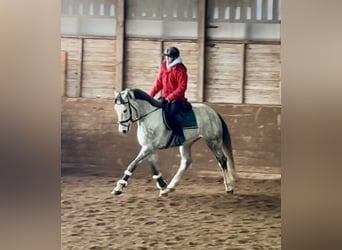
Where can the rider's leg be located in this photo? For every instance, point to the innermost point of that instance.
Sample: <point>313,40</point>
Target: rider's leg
<point>174,108</point>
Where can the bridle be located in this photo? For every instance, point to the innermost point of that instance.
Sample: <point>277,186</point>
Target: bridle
<point>130,108</point>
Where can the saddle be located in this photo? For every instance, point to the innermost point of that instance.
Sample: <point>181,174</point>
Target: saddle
<point>186,117</point>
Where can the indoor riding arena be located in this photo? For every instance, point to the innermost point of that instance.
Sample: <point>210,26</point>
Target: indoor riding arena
<point>232,52</point>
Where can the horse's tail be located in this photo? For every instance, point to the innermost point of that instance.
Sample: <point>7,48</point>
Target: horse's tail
<point>227,143</point>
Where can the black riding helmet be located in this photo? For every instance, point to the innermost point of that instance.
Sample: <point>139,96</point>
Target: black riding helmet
<point>172,52</point>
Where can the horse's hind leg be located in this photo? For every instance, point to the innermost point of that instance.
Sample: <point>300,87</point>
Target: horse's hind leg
<point>222,160</point>
<point>185,163</point>
<point>156,175</point>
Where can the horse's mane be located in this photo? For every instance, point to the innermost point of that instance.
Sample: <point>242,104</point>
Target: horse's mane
<point>141,95</point>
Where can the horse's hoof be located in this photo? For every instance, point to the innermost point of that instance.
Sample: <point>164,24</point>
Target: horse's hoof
<point>230,191</point>
<point>165,191</point>
<point>163,194</point>
<point>115,192</point>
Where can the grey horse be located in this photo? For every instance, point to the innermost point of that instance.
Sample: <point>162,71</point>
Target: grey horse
<point>134,105</point>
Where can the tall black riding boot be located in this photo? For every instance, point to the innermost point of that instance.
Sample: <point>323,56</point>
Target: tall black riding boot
<point>177,135</point>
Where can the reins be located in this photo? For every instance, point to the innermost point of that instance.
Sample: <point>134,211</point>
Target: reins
<point>146,114</point>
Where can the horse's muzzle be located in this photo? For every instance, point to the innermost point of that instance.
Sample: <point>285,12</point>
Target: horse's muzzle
<point>123,129</point>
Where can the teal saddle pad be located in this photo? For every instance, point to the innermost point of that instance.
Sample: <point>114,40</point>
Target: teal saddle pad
<point>186,118</point>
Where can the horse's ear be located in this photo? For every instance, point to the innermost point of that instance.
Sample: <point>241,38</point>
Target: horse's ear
<point>115,93</point>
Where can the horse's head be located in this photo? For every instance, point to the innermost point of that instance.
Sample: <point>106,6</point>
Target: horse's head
<point>126,109</point>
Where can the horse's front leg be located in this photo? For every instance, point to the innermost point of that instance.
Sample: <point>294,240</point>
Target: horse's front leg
<point>156,175</point>
<point>144,152</point>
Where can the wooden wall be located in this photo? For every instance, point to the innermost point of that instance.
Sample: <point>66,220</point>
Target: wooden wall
<point>63,72</point>
<point>142,60</point>
<point>262,80</point>
<point>98,72</point>
<point>90,138</point>
<point>234,72</point>
<point>224,72</point>
<point>243,73</point>
<point>73,47</point>
<point>90,67</point>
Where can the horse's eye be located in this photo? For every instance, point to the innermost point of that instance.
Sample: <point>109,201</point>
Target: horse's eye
<point>125,111</point>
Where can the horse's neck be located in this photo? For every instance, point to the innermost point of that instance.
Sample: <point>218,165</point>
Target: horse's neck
<point>150,124</point>
<point>144,107</point>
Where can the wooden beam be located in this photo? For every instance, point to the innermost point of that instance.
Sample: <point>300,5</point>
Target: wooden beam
<point>243,71</point>
<point>120,44</point>
<point>162,48</point>
<point>80,71</point>
<point>202,11</point>
<point>63,72</point>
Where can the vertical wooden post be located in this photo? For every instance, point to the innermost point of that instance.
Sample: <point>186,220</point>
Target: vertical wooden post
<point>63,73</point>
<point>80,71</point>
<point>120,44</point>
<point>162,48</point>
<point>243,72</point>
<point>202,13</point>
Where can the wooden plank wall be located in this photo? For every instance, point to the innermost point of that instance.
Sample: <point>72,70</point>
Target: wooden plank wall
<point>142,61</point>
<point>90,67</point>
<point>236,75</point>
<point>262,83</point>
<point>98,68</point>
<point>223,72</point>
<point>73,47</point>
<point>233,74</point>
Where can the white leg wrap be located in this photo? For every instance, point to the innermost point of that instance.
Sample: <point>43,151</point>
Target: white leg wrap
<point>122,182</point>
<point>156,177</point>
<point>128,173</point>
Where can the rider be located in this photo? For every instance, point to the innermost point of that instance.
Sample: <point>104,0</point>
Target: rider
<point>172,81</point>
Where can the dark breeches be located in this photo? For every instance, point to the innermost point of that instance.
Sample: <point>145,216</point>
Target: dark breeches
<point>173,109</point>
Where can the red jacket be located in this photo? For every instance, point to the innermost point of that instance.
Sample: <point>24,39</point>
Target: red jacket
<point>172,82</point>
